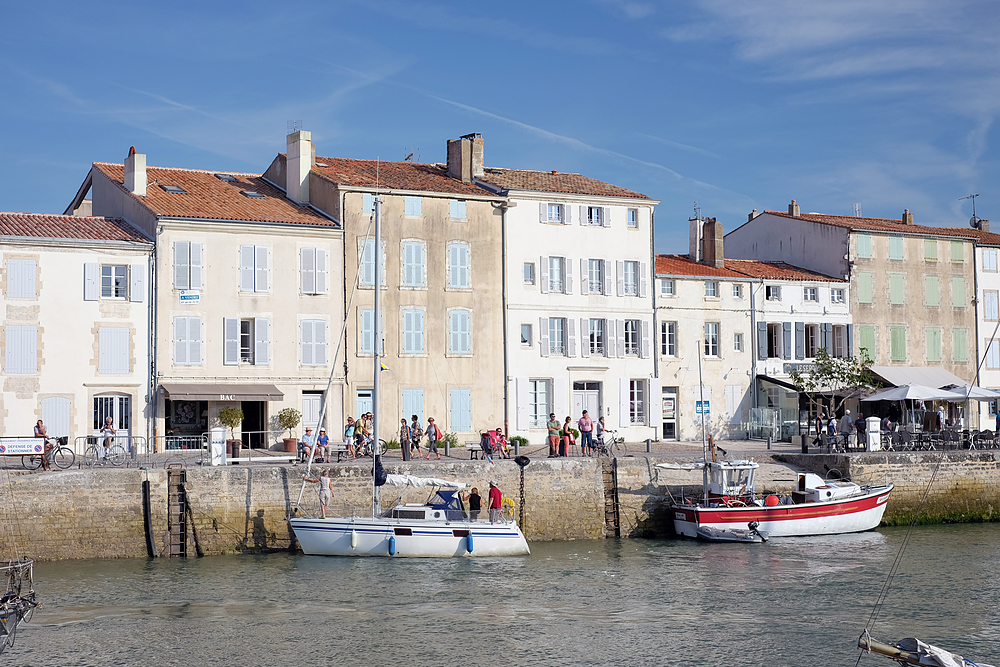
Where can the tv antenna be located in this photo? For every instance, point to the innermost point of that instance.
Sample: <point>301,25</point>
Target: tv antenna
<point>974,221</point>
<point>697,211</point>
<point>294,126</point>
<point>857,210</point>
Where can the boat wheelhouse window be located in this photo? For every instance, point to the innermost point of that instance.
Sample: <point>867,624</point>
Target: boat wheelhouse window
<point>407,514</point>
<point>403,531</point>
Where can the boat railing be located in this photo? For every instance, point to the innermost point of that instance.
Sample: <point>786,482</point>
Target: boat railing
<point>394,514</point>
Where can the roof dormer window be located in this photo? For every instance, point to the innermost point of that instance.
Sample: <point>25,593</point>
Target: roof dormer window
<point>173,189</point>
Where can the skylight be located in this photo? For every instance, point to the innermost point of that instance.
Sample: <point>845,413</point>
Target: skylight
<point>252,194</point>
<point>228,178</point>
<point>173,189</point>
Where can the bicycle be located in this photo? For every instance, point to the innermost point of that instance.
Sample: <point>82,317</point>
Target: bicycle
<point>60,456</point>
<point>98,454</point>
<point>611,447</point>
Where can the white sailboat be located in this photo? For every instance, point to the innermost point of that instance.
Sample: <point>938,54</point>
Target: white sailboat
<point>439,527</point>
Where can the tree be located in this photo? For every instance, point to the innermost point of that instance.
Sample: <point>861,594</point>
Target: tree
<point>839,377</point>
<point>231,417</point>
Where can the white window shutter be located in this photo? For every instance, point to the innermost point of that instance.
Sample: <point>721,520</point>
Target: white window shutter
<point>307,270</point>
<point>521,403</point>
<point>137,286</point>
<point>620,327</point>
<point>620,274</point>
<point>261,341</point>
<point>606,220</point>
<point>560,397</point>
<point>647,402</point>
<point>584,337</point>
<point>568,278</point>
<point>231,341</point>
<point>644,339</point>
<point>382,247</point>
<point>624,421</point>
<point>197,328</point>
<point>366,330</point>
<point>196,266</point>
<point>321,273</point>
<point>543,336</point>
<point>319,332</point>
<point>246,268</point>
<point>583,215</point>
<point>643,279</point>
<point>608,275</point>
<point>182,264</point>
<point>584,276</point>
<point>567,214</point>
<point>570,337</point>
<point>91,281</point>
<point>419,330</point>
<point>306,342</point>
<point>543,212</point>
<point>113,351</point>
<point>263,272</point>
<point>610,339</point>
<point>180,340</point>
<point>543,274</point>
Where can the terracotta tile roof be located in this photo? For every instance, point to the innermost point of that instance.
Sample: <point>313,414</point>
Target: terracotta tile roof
<point>551,181</point>
<point>890,225</point>
<point>682,265</point>
<point>395,176</point>
<point>212,198</point>
<point>88,228</point>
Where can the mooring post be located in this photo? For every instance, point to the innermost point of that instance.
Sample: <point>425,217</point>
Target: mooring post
<point>517,448</point>
<point>649,445</point>
<point>769,442</point>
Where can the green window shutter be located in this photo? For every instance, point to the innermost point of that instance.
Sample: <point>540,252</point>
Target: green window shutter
<point>895,247</point>
<point>865,246</point>
<point>897,343</point>
<point>960,344</point>
<point>957,251</point>
<point>866,339</point>
<point>930,250</point>
<point>897,289</point>
<point>932,336</point>
<point>958,291</point>
<point>864,287</point>
<point>932,291</point>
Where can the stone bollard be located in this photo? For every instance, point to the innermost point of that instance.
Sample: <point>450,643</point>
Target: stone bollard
<point>447,448</point>
<point>805,444</point>
<point>517,448</point>
<point>649,445</point>
<point>769,442</point>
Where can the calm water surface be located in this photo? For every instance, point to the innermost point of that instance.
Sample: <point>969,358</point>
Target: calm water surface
<point>794,601</point>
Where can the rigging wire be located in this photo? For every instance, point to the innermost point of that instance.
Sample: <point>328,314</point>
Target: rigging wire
<point>12,518</point>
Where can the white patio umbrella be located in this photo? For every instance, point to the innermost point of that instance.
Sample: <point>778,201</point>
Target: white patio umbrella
<point>916,392</point>
<point>974,393</point>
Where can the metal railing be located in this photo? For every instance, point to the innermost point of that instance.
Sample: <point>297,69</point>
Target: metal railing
<point>124,450</point>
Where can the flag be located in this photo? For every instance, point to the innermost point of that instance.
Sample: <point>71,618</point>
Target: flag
<point>382,366</point>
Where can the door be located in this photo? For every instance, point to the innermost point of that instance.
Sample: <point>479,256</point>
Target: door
<point>363,401</point>
<point>669,410</point>
<point>119,408</point>
<point>253,433</point>
<point>586,396</point>
<point>312,403</point>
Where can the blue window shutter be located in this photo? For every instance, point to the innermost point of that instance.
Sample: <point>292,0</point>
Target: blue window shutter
<point>762,340</point>
<point>786,329</point>
<point>800,340</point>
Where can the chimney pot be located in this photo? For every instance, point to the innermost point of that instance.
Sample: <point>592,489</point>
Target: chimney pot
<point>135,173</point>
<point>793,209</point>
<point>753,214</point>
<point>907,217</point>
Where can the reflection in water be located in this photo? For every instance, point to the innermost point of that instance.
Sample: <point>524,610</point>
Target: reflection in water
<point>792,601</point>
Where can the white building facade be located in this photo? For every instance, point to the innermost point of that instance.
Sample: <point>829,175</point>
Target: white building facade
<point>988,324</point>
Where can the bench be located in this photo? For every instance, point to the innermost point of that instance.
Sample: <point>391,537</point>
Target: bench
<point>476,452</point>
<point>339,448</point>
<point>279,458</point>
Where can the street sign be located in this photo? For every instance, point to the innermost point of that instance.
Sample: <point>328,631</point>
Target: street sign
<point>702,407</point>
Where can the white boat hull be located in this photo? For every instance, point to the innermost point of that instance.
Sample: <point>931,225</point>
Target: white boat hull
<point>368,536</point>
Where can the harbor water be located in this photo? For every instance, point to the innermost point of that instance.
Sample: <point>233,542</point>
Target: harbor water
<point>792,601</point>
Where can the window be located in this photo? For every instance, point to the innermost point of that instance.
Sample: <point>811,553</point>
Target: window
<point>667,287</point>
<point>556,267</point>
<point>187,341</point>
<point>457,209</point>
<point>414,270</point>
<point>810,294</point>
<point>412,338</point>
<point>990,260</point>
<point>366,251</point>
<point>990,301</point>
<point>21,279</point>
<point>597,342</point>
<point>960,344</point>
<point>932,339</point>
<point>595,216</point>
<point>811,340</point>
<point>21,349</point>
<point>895,247</point>
<point>631,278</point>
<point>254,274</point>
<point>865,290</point>
<point>366,331</point>
<point>529,273</point>
<point>113,355</point>
<point>957,252</point>
<point>897,289</point>
<point>866,339</point>
<point>458,266</point>
<point>633,218</point>
<point>711,288</point>
<point>526,335</point>
<point>932,291</point>
<point>864,246</point>
<point>958,292</point>
<point>247,341</point>
<point>711,339</point>
<point>632,338</point>
<point>459,331</point>
<point>992,353</point>
<point>312,270</point>
<point>312,343</point>
<point>930,250</point>
<point>839,341</point>
<point>187,265</point>
<point>668,339</point>
<point>837,295</point>
<point>412,206</point>
<point>557,335</point>
<point>737,342</point>
<point>461,410</point>
<point>554,213</point>
<point>737,291</point>
<point>595,276</point>
<point>367,203</point>
<point>772,292</point>
<point>637,401</point>
<point>538,403</point>
<point>114,281</point>
<point>775,349</point>
<point>897,343</point>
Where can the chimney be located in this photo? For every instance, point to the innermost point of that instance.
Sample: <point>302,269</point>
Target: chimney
<point>984,225</point>
<point>753,214</point>
<point>694,242</point>
<point>300,161</point>
<point>907,217</point>
<point>712,243</point>
<point>135,173</point>
<point>793,209</point>
<point>465,157</point>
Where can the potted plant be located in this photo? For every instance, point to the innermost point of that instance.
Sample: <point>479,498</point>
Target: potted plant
<point>289,418</point>
<point>231,418</point>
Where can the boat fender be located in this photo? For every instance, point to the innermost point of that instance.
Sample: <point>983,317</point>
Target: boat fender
<point>468,542</point>
<point>392,545</point>
<point>354,539</point>
<point>772,501</point>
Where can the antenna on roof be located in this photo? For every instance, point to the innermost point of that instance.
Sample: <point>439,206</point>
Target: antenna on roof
<point>412,154</point>
<point>697,211</point>
<point>974,222</point>
<point>294,126</point>
<point>857,210</point>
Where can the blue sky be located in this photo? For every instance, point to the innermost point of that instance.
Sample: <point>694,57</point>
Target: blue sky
<point>734,105</point>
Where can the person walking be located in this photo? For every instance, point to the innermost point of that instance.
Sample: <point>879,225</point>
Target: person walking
<point>599,430</point>
<point>586,426</point>
<point>819,429</point>
<point>846,429</point>
<point>495,499</point>
<point>349,438</point>
<point>861,426</point>
<point>416,433</point>
<point>434,435</point>
<point>554,436</point>
<point>325,490</point>
<point>46,446</point>
<point>567,437</point>
<point>404,437</point>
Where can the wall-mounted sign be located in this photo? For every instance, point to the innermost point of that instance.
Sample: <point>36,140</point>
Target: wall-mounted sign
<point>702,407</point>
<point>21,446</point>
<point>190,296</point>
<point>801,368</point>
<point>668,408</point>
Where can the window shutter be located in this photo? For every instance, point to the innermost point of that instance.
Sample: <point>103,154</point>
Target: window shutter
<point>786,329</point>
<point>567,212</point>
<point>319,331</point>
<point>543,336</point>
<point>826,340</point>
<point>231,341</point>
<point>246,268</point>
<point>182,264</point>
<point>421,264</point>
<point>620,328</point>
<point>307,270</point>
<point>521,403</point>
<point>610,339</point>
<point>543,274</point>
<point>560,397</point>
<point>570,337</point>
<point>137,286</point>
<point>584,337</point>
<point>56,415</point>
<point>464,266</point>
<point>453,335</point>
<point>624,419</point>
<point>608,268</point>
<point>91,281</point>
<point>644,339</point>
<point>306,343</point>
<point>762,340</point>
<point>180,340</point>
<point>366,344</point>
<point>321,274</point>
<point>647,400</point>
<point>643,279</point>
<point>543,212</point>
<point>620,274</point>
<point>21,278</point>
<point>583,215</point>
<point>418,336</point>
<point>196,266</point>
<point>800,340</point>
<point>606,217</point>
<point>263,273</point>
<point>196,328</point>
<point>568,278</point>
<point>584,276</point>
<point>262,341</point>
<point>112,351</point>
<point>850,342</point>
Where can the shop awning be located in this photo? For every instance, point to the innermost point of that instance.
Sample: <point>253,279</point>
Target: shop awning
<point>780,383</point>
<point>928,376</point>
<point>222,392</point>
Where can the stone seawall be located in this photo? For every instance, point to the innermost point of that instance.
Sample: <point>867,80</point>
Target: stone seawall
<point>98,513</point>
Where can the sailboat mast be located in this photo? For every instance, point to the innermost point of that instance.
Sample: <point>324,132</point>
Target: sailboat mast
<point>704,445</point>
<point>377,347</point>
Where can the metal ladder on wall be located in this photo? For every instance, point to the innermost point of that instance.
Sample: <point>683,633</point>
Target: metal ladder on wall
<point>609,470</point>
<point>176,510</point>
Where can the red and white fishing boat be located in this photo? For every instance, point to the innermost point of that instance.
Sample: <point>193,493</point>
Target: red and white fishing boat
<point>816,507</point>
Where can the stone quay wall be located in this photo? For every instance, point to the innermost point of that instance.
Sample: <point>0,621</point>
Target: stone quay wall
<point>98,513</point>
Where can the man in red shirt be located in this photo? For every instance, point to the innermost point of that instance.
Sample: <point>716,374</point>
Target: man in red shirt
<point>495,498</point>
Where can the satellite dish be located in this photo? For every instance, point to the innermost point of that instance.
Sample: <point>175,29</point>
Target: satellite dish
<point>975,223</point>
